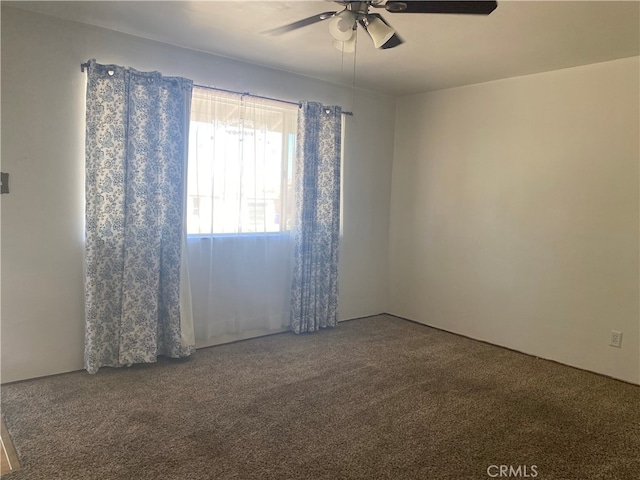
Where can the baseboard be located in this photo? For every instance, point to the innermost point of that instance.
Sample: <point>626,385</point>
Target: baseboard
<point>512,349</point>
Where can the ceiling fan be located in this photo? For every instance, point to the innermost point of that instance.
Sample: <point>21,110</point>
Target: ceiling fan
<point>344,23</point>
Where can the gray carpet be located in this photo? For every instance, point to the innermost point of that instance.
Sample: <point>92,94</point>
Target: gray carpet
<point>375,398</point>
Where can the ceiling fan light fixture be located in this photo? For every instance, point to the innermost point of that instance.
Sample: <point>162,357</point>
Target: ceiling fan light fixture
<point>341,26</point>
<point>379,31</point>
<point>348,46</point>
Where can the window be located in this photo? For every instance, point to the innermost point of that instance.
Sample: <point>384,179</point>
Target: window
<point>241,158</point>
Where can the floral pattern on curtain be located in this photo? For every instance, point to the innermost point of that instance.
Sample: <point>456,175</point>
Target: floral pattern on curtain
<point>136,290</point>
<point>314,296</point>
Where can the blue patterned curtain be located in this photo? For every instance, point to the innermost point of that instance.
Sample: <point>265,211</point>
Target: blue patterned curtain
<point>136,290</point>
<point>314,296</point>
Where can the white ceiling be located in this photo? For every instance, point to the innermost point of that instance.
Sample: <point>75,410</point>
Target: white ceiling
<point>440,51</point>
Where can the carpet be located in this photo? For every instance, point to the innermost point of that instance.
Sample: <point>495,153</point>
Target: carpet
<point>374,398</point>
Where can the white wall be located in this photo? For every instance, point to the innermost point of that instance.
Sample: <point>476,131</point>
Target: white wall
<point>515,214</point>
<point>43,150</point>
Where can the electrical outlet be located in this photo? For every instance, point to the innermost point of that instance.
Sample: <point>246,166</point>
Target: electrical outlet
<point>616,339</point>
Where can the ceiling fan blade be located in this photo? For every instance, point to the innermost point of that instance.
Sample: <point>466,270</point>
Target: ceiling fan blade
<point>300,23</point>
<point>455,7</point>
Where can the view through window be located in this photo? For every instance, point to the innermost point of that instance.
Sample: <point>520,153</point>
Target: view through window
<point>241,164</point>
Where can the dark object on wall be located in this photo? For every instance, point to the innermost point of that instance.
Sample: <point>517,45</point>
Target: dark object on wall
<point>4,182</point>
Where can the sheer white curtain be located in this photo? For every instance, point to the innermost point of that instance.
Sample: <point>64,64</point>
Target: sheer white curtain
<point>239,214</point>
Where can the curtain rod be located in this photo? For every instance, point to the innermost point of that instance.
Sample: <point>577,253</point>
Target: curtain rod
<point>256,96</point>
<point>86,65</point>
